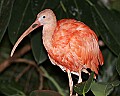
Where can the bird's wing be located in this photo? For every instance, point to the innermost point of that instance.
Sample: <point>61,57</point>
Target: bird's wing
<point>84,44</point>
<point>85,47</point>
<point>79,44</point>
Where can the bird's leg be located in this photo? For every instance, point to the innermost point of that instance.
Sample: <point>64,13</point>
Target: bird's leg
<point>85,71</point>
<point>70,81</point>
<point>79,80</point>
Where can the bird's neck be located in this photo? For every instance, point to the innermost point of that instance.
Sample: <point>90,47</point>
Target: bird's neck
<point>48,31</point>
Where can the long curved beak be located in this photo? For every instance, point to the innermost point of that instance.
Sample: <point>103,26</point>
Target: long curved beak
<point>35,25</point>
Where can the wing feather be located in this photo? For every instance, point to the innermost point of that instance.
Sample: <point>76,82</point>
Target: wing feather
<point>76,46</point>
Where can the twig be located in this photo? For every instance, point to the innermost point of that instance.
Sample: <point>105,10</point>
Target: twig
<point>41,82</point>
<point>42,73</point>
<point>27,82</point>
<point>10,60</point>
<point>31,63</point>
<point>41,70</point>
<point>22,73</point>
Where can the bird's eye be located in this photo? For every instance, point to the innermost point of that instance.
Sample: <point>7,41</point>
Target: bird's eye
<point>43,16</point>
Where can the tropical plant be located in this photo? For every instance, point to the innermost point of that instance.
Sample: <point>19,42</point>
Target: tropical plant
<point>30,72</point>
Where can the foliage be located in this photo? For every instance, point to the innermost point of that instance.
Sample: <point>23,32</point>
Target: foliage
<point>29,71</point>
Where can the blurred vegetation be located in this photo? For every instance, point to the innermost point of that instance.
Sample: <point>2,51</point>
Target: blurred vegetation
<point>30,73</point>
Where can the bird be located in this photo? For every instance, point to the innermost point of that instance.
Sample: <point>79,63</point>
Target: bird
<point>70,44</point>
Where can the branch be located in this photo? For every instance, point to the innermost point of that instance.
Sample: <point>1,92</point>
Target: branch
<point>10,60</point>
<point>42,73</point>
<point>41,70</point>
<point>30,63</point>
<point>22,73</point>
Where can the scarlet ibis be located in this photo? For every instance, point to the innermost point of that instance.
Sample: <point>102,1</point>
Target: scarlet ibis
<point>70,44</point>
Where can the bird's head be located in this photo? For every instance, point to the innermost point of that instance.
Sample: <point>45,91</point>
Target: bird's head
<point>45,17</point>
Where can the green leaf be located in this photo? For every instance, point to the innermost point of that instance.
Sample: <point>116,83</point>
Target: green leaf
<point>5,15</point>
<point>88,83</point>
<point>79,88</point>
<point>21,19</point>
<point>79,10</point>
<point>84,87</point>
<point>44,93</point>
<point>103,89</point>
<point>98,89</point>
<point>9,89</point>
<point>107,23</point>
<point>38,49</point>
<point>115,5</point>
<point>39,5</point>
<point>115,83</point>
<point>109,89</point>
<point>87,16</point>
<point>118,64</point>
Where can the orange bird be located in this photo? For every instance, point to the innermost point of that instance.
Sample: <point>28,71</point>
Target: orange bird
<point>70,44</point>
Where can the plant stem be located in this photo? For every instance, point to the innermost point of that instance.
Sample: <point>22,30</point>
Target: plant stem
<point>83,93</point>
